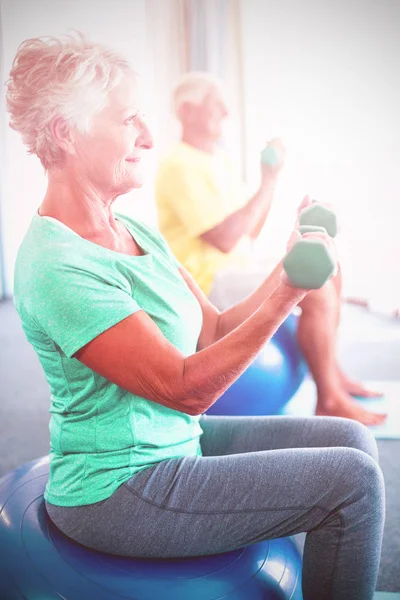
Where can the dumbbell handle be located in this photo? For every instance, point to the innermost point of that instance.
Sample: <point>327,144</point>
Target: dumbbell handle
<point>311,229</point>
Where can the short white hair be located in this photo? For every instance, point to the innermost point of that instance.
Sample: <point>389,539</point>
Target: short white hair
<point>193,87</point>
<point>69,77</point>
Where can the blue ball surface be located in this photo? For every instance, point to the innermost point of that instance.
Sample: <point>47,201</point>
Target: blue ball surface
<point>270,381</point>
<point>38,562</point>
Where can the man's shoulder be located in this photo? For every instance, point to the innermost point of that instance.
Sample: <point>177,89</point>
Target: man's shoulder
<point>183,155</point>
<point>174,153</point>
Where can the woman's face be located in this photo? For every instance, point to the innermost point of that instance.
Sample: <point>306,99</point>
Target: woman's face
<point>110,155</point>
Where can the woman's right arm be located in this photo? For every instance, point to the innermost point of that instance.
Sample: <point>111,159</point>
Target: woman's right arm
<point>136,356</point>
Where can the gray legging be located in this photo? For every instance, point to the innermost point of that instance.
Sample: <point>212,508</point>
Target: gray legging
<point>259,478</point>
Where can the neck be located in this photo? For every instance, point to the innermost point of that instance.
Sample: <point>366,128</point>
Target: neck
<point>77,203</point>
<point>200,141</point>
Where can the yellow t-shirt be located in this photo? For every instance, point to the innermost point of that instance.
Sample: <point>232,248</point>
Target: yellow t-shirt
<point>195,191</point>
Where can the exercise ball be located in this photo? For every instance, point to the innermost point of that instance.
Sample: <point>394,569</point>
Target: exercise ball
<point>270,381</point>
<point>38,562</point>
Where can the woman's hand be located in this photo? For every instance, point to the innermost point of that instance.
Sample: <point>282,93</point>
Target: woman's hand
<point>317,235</point>
<point>305,203</point>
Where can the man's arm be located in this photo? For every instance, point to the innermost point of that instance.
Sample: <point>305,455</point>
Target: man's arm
<point>247,220</point>
<point>255,232</point>
<point>250,219</point>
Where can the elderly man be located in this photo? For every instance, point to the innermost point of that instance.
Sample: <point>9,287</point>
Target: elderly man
<point>209,222</point>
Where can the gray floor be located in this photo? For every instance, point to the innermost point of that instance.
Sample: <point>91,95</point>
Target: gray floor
<point>369,348</point>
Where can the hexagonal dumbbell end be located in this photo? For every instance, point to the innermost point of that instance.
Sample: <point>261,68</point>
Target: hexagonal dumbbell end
<point>269,156</point>
<point>309,264</point>
<point>320,216</point>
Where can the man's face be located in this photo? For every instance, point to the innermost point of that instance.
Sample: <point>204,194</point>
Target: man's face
<point>208,117</point>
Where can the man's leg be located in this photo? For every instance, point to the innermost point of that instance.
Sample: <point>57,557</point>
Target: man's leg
<point>317,335</point>
<point>317,339</point>
<point>350,386</point>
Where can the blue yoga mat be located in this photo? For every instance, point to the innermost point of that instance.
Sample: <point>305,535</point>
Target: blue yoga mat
<point>386,596</point>
<point>303,404</point>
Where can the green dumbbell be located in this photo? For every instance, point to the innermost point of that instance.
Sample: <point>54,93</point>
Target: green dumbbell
<point>311,229</point>
<point>320,216</point>
<point>309,263</point>
<point>269,156</point>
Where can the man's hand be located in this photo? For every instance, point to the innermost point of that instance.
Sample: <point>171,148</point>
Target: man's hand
<point>276,153</point>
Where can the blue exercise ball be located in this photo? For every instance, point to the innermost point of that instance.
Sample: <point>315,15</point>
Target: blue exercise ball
<point>270,381</point>
<point>38,562</point>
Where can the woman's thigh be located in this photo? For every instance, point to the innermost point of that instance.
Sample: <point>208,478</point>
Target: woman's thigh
<point>233,435</point>
<point>205,505</point>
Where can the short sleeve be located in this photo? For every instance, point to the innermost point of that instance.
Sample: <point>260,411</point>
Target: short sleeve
<point>73,305</point>
<point>197,202</point>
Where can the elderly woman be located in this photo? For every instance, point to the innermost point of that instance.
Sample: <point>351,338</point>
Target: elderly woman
<point>134,354</point>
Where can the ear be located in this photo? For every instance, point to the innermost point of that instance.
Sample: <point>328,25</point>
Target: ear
<point>62,134</point>
<point>186,112</point>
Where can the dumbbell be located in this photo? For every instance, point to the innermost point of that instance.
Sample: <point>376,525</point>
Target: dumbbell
<point>318,215</point>
<point>269,156</point>
<point>309,263</point>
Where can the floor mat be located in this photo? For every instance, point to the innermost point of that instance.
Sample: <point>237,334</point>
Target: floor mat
<point>303,404</point>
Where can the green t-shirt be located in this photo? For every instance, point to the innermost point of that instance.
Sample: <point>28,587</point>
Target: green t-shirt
<point>69,290</point>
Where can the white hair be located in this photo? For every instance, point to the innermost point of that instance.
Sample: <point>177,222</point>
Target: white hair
<point>69,77</point>
<point>193,87</point>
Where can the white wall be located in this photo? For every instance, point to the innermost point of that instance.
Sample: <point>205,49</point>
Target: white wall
<point>325,76</point>
<point>120,24</point>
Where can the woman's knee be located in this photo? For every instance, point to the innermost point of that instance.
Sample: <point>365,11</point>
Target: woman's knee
<point>352,434</point>
<point>360,477</point>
